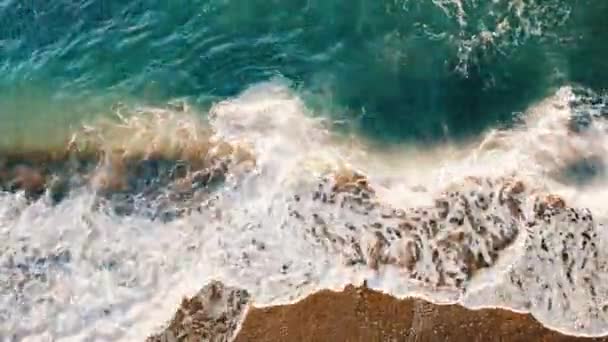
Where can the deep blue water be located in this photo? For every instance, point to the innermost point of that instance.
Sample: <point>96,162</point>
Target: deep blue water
<point>397,70</point>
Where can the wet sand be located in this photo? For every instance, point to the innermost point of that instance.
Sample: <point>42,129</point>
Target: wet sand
<point>223,313</point>
<point>358,314</point>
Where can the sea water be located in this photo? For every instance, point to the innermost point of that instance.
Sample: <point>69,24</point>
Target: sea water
<point>425,99</point>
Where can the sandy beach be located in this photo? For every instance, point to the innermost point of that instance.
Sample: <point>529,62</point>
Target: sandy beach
<point>354,314</point>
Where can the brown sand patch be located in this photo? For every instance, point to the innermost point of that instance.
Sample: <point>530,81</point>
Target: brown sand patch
<point>357,314</point>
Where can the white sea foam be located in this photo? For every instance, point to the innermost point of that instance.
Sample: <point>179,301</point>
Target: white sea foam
<point>74,271</point>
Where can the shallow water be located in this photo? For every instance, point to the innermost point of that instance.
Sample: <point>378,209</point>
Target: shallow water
<point>148,147</point>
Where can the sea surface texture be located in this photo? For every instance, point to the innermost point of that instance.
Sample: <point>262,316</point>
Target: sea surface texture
<point>454,150</point>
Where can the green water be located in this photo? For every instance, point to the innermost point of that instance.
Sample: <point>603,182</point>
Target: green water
<point>397,70</point>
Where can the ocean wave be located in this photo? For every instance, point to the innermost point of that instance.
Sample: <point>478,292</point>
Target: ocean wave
<point>496,221</point>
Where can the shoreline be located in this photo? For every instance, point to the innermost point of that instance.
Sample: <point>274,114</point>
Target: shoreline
<point>219,313</point>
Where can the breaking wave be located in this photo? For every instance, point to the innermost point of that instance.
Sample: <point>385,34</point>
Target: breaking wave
<point>107,232</point>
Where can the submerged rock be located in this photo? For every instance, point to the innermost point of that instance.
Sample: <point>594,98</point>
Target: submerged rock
<point>213,314</point>
<point>580,122</point>
<point>582,171</point>
<point>441,246</point>
<point>156,163</point>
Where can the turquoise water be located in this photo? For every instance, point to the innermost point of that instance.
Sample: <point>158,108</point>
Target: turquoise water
<point>395,69</point>
<point>455,150</point>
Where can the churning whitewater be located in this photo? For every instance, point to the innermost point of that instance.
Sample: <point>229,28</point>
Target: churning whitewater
<point>107,233</point>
